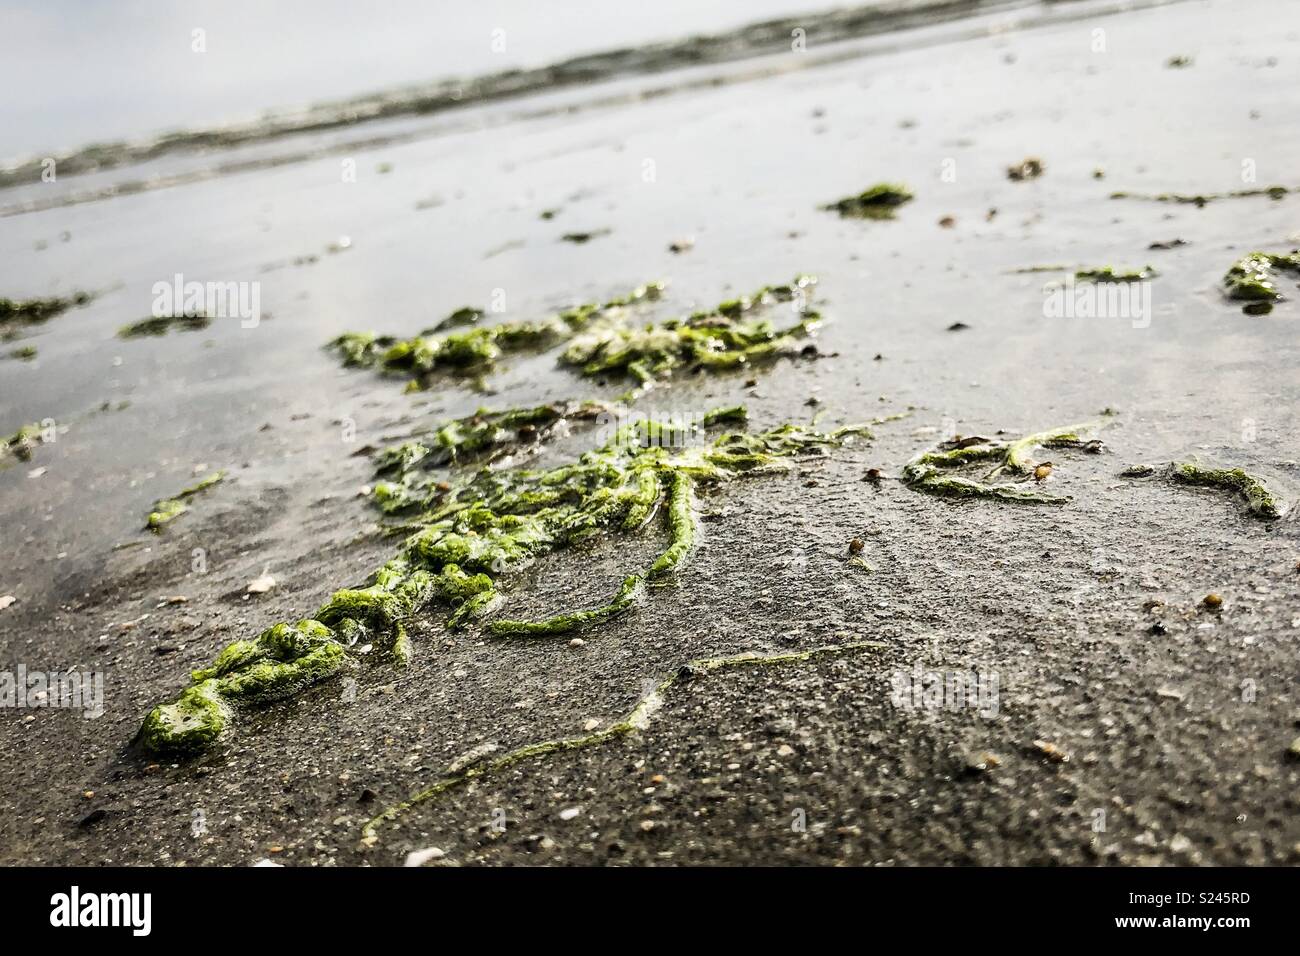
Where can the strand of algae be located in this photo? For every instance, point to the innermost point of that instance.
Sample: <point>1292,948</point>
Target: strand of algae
<point>1110,274</point>
<point>1094,274</point>
<point>637,719</point>
<point>470,537</point>
<point>1253,278</point>
<point>1261,500</point>
<point>166,510</point>
<point>927,471</point>
<point>1200,199</point>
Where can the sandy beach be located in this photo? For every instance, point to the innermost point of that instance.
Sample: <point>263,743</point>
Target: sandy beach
<point>1134,723</point>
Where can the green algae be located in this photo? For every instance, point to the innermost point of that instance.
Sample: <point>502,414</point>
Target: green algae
<point>681,526</point>
<point>1201,199</point>
<point>23,442</point>
<point>463,772</point>
<point>876,202</point>
<point>476,351</point>
<point>189,725</point>
<point>725,337</point>
<point>459,319</point>
<point>166,510</point>
<point>284,660</point>
<point>599,341</point>
<point>162,324</point>
<point>1024,270</point>
<point>25,353</point>
<point>629,593</point>
<point>470,536</point>
<point>20,312</point>
<point>1109,274</point>
<point>1260,498</point>
<point>930,471</point>
<point>1253,277</point>
<point>487,434</point>
<point>483,437</point>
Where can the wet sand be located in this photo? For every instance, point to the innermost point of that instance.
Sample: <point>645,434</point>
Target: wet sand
<point>1161,734</point>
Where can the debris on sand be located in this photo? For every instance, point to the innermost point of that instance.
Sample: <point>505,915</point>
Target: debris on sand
<point>25,353</point>
<point>581,238</point>
<point>637,719</point>
<point>261,584</point>
<point>162,324</point>
<point>166,510</point>
<point>1260,498</point>
<point>1051,751</point>
<point>1029,168</point>
<point>1254,277</point>
<point>877,202</point>
<point>6,601</point>
<point>927,471</point>
<point>471,536</point>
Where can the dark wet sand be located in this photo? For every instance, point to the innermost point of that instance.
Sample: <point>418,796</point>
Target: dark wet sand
<point>1160,737</point>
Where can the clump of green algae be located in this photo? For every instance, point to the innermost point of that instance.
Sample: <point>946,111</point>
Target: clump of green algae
<point>481,437</point>
<point>470,536</point>
<point>22,442</point>
<point>1261,500</point>
<point>1253,277</point>
<point>20,312</point>
<point>929,471</point>
<point>166,510</point>
<point>719,338</point>
<point>876,202</point>
<point>599,340</point>
<point>162,324</point>
<point>476,350</point>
